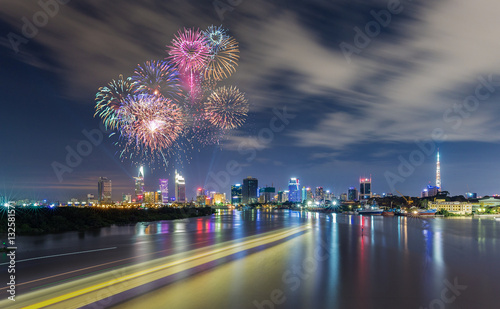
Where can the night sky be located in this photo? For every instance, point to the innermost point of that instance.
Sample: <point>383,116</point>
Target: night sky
<point>433,71</point>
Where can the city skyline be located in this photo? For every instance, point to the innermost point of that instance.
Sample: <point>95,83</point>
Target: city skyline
<point>315,116</point>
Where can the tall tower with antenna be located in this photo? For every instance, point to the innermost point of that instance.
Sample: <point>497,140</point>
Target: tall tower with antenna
<point>139,185</point>
<point>438,173</point>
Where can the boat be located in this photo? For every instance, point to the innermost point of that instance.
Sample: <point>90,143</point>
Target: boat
<point>370,211</point>
<point>428,212</point>
<point>402,213</point>
<point>497,218</point>
<point>388,213</point>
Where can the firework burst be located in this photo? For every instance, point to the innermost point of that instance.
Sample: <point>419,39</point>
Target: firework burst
<point>224,53</point>
<point>226,108</point>
<point>222,64</point>
<point>155,122</point>
<point>173,105</point>
<point>189,50</point>
<point>215,36</point>
<point>110,99</point>
<point>158,77</point>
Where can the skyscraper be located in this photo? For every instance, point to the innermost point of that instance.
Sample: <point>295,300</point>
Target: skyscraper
<point>294,191</point>
<point>309,194</point>
<point>236,194</point>
<point>352,194</point>
<point>180,188</point>
<point>430,191</point>
<point>267,194</point>
<point>438,173</point>
<point>164,190</point>
<point>320,195</point>
<point>139,185</point>
<point>365,188</point>
<point>249,190</point>
<point>104,190</point>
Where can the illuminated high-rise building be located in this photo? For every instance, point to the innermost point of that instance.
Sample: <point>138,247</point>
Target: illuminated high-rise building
<point>104,190</point>
<point>304,194</point>
<point>294,191</point>
<point>139,185</point>
<point>430,191</point>
<point>365,188</point>
<point>180,188</point>
<point>267,194</point>
<point>352,194</point>
<point>249,190</point>
<point>438,172</point>
<point>164,190</point>
<point>309,194</point>
<point>236,194</point>
<point>320,195</point>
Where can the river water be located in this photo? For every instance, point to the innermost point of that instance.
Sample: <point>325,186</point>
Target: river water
<point>340,261</point>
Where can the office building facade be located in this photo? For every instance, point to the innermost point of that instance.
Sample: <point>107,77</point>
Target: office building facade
<point>104,190</point>
<point>236,194</point>
<point>249,190</point>
<point>180,188</point>
<point>139,185</point>
<point>365,188</point>
<point>294,195</point>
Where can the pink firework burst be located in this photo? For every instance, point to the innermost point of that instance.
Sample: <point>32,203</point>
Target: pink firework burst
<point>189,50</point>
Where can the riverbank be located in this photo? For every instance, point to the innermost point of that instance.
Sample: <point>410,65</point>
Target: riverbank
<point>35,221</point>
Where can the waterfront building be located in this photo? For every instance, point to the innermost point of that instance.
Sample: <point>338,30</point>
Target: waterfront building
<point>461,208</point>
<point>319,195</point>
<point>267,194</point>
<point>283,196</point>
<point>201,200</point>
<point>303,195</point>
<point>365,188</point>
<point>164,190</point>
<point>309,195</point>
<point>127,198</point>
<point>219,198</point>
<point>139,185</point>
<point>330,196</point>
<point>236,194</point>
<point>343,197</point>
<point>149,197</point>
<point>249,190</point>
<point>180,188</point>
<point>104,190</point>
<point>294,190</point>
<point>352,194</point>
<point>90,198</point>
<point>485,202</point>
